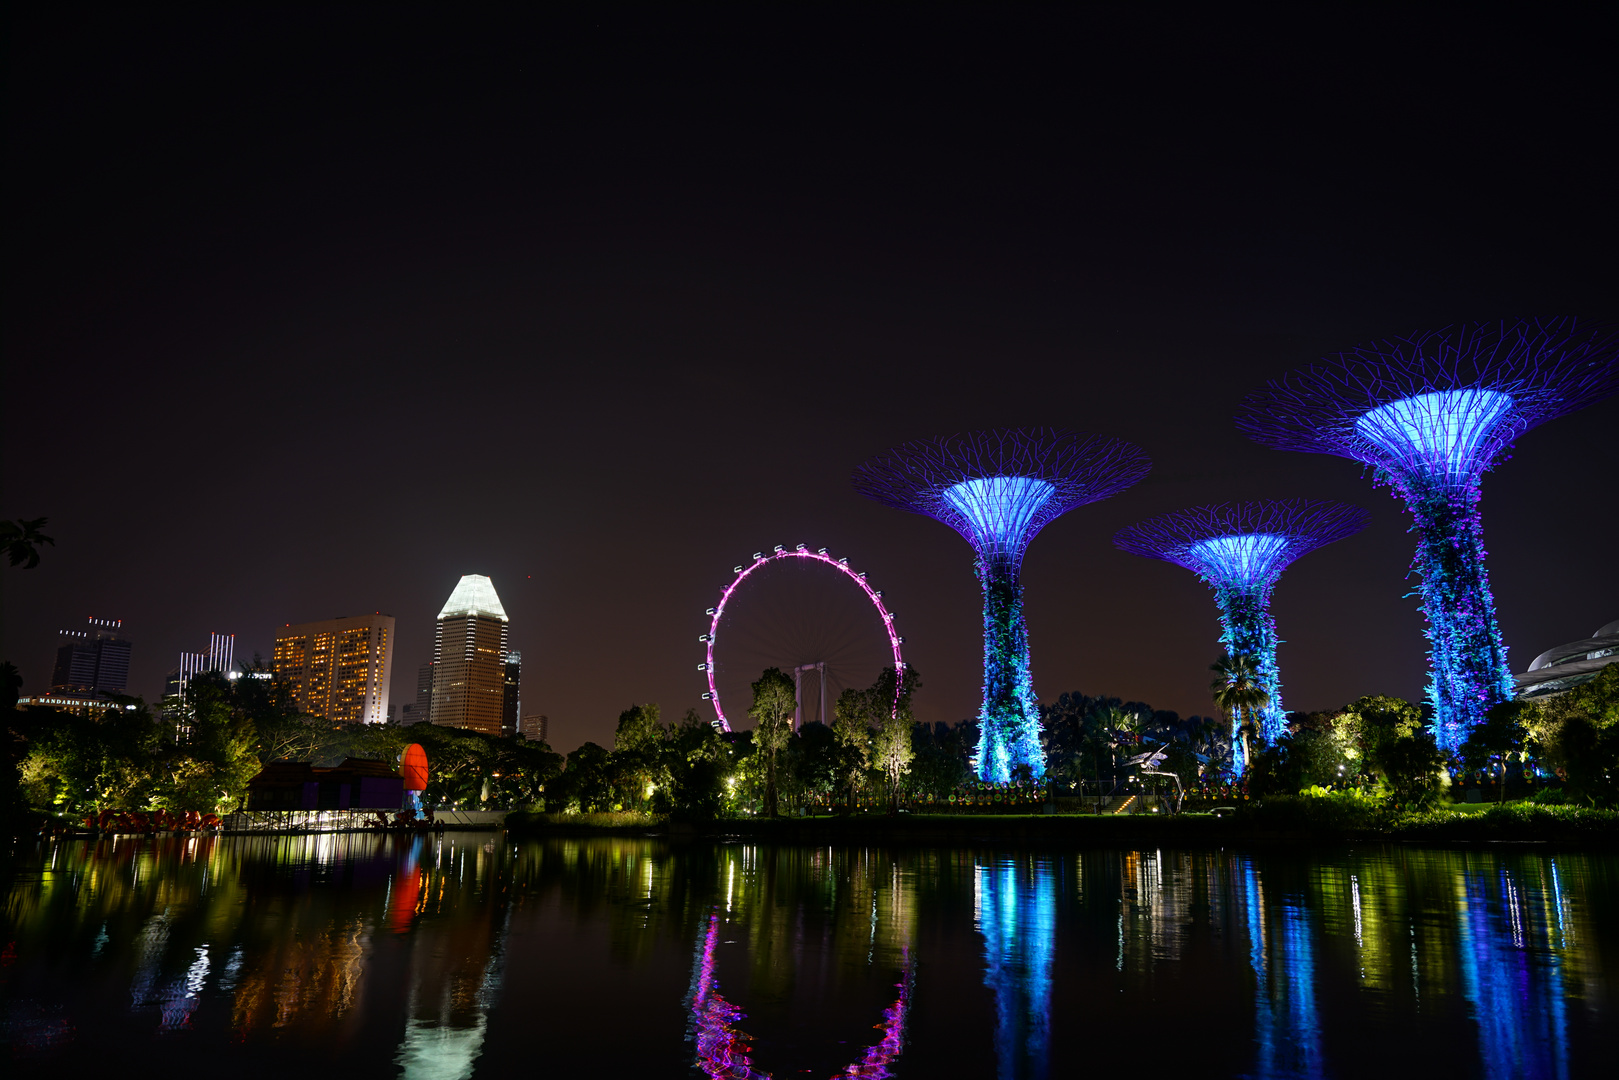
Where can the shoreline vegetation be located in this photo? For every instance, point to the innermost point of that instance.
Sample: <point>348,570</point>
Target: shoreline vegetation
<point>1532,772</point>
<point>1271,821</point>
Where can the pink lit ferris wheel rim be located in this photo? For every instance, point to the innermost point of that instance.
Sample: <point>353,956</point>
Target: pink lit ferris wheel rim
<point>761,559</point>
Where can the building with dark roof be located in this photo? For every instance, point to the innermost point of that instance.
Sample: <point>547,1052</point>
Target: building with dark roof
<point>356,784</point>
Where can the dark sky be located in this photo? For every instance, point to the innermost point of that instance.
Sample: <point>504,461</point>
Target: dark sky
<point>308,314</point>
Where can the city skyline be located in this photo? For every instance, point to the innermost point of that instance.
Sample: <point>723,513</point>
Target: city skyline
<point>669,317</point>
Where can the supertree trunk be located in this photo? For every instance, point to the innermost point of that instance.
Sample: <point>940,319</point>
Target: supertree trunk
<point>1009,720</point>
<point>1247,628</point>
<point>1468,663</point>
<point>1240,550</point>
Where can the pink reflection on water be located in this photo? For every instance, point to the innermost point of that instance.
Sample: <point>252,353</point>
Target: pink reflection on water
<point>723,1048</point>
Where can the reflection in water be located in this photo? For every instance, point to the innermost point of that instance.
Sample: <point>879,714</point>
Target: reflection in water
<point>469,956</point>
<point>1518,1009</point>
<point>1014,908</point>
<point>1287,1034</point>
<point>456,965</point>
<point>723,1049</point>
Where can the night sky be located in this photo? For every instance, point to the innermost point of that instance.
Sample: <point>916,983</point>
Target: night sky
<point>308,314</point>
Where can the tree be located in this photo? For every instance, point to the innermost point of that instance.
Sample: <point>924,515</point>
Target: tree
<point>281,731</point>
<point>1239,696</point>
<point>22,540</point>
<point>1396,745</point>
<point>891,750</point>
<point>814,756</point>
<point>638,728</point>
<point>83,764</point>
<point>1083,731</point>
<point>638,755</point>
<point>943,756</point>
<point>1502,733</point>
<point>210,763</point>
<point>1576,733</point>
<point>585,784</point>
<point>775,699</point>
<point>521,771</point>
<point>699,762</point>
<point>852,722</point>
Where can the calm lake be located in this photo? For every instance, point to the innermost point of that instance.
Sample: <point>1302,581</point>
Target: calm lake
<point>471,955</point>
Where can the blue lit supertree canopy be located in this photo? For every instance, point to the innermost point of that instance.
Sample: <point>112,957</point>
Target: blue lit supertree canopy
<point>1431,414</point>
<point>998,489</point>
<point>1240,549</point>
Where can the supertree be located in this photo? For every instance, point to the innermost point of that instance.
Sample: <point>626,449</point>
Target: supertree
<point>998,489</point>
<point>1431,414</point>
<point>1240,550</point>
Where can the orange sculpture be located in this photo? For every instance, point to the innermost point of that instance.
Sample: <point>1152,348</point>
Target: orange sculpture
<point>413,768</point>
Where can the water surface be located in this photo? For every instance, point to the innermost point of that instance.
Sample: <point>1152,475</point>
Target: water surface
<point>470,955</point>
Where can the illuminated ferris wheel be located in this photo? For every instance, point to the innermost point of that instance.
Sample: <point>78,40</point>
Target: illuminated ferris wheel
<point>831,642</point>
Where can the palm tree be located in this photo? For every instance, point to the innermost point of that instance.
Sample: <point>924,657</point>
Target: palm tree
<point>22,539</point>
<point>1239,696</point>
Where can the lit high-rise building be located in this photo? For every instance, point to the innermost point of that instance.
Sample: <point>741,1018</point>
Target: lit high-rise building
<point>221,655</point>
<point>513,702</point>
<point>536,727</point>
<point>469,658</point>
<point>339,668</point>
<point>95,658</point>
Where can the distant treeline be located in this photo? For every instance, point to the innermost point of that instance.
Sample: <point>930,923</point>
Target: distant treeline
<point>200,755</point>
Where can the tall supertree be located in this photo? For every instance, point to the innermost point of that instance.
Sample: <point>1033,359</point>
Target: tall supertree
<point>1240,549</point>
<point>998,489</point>
<point>1431,414</point>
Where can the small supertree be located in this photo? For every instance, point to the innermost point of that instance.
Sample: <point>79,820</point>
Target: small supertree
<point>1431,414</point>
<point>998,489</point>
<point>1240,549</point>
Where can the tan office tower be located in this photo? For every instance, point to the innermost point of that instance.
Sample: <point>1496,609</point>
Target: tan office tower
<point>469,658</point>
<point>339,668</point>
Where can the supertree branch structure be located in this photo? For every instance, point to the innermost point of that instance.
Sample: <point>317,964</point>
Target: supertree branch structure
<point>999,488</point>
<point>1240,550</point>
<point>1431,414</point>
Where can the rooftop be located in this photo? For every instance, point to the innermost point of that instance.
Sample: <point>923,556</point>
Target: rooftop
<point>474,595</point>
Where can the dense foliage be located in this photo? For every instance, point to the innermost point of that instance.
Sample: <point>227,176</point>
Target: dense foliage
<point>200,754</point>
<point>1375,754</point>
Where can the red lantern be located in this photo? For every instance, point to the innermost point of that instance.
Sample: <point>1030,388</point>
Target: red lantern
<point>414,768</point>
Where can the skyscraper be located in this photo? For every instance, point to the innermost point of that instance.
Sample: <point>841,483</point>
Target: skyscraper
<point>469,658</point>
<point>95,658</point>
<point>536,727</point>
<point>513,703</point>
<point>338,668</point>
<point>220,656</point>
<point>422,708</point>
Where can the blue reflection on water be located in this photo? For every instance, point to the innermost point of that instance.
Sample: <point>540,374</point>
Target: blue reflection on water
<point>1519,1010</point>
<point>1287,1029</point>
<point>1015,909</point>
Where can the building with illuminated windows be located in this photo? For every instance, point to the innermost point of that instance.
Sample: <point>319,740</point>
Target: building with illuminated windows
<point>469,659</point>
<point>536,727</point>
<point>221,656</point>
<point>95,658</point>
<point>339,668</point>
<point>512,703</point>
